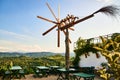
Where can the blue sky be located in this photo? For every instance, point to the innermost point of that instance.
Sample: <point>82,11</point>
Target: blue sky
<point>21,30</point>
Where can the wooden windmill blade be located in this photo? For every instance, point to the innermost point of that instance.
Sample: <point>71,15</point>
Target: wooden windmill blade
<point>49,30</point>
<point>58,27</point>
<point>58,36</point>
<point>58,43</point>
<point>71,29</point>
<point>46,19</point>
<point>51,11</point>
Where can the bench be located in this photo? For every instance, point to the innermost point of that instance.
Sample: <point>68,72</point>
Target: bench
<point>86,76</point>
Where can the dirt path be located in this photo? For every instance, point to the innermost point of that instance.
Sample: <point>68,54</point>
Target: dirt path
<point>51,77</point>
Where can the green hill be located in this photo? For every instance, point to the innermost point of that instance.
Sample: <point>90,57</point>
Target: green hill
<point>30,54</point>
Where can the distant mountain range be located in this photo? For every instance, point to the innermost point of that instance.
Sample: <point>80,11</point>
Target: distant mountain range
<point>30,54</point>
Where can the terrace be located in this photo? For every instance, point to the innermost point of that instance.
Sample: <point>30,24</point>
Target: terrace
<point>58,67</point>
<point>55,72</point>
<point>51,77</point>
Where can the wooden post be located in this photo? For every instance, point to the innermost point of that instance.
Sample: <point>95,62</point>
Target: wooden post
<point>67,53</point>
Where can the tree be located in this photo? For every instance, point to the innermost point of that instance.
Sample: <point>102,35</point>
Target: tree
<point>112,55</point>
<point>83,47</point>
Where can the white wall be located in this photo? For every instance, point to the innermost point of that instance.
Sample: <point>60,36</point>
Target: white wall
<point>91,60</point>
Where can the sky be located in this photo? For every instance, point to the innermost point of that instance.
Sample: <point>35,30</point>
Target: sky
<point>21,30</point>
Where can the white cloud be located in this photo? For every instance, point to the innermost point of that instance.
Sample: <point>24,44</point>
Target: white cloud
<point>105,0</point>
<point>17,36</point>
<point>9,46</point>
<point>13,42</point>
<point>4,49</point>
<point>18,47</point>
<point>31,48</point>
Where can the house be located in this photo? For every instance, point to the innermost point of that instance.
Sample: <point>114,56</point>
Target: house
<point>91,60</point>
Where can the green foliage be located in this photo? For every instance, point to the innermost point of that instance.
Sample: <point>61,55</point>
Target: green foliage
<point>115,37</point>
<point>29,54</point>
<point>83,47</point>
<point>78,52</point>
<point>76,60</point>
<point>5,65</point>
<point>28,62</point>
<point>110,49</point>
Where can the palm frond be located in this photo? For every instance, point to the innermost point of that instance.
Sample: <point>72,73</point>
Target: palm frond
<point>103,39</point>
<point>111,10</point>
<point>98,48</point>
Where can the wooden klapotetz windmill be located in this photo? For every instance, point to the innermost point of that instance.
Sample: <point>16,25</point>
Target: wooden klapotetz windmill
<point>69,21</point>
